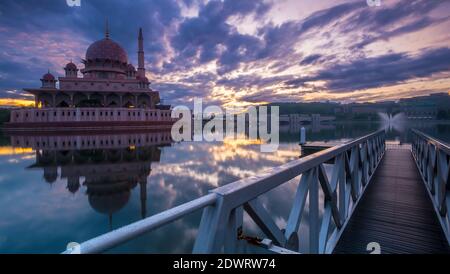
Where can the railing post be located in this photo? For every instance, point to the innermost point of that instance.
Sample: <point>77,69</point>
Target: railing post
<point>443,168</point>
<point>331,209</point>
<point>363,164</point>
<point>425,162</point>
<point>234,226</point>
<point>295,216</point>
<point>342,189</point>
<point>430,168</point>
<point>353,169</point>
<point>211,233</point>
<point>314,213</point>
<point>371,156</point>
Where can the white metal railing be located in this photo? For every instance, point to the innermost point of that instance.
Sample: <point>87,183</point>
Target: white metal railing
<point>221,226</point>
<point>432,157</point>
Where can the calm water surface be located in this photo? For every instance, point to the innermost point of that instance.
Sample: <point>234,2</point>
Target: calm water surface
<point>60,189</point>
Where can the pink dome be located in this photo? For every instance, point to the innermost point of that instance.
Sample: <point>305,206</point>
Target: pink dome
<point>106,49</point>
<point>48,77</point>
<point>71,66</point>
<point>130,67</point>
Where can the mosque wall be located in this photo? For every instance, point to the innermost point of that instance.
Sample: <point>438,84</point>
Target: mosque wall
<point>105,114</point>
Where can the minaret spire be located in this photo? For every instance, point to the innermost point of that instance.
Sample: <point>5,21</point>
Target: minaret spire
<point>106,29</point>
<point>141,65</point>
<point>143,196</point>
<point>110,222</point>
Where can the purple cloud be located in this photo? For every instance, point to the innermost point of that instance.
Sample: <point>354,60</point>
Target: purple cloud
<point>190,55</point>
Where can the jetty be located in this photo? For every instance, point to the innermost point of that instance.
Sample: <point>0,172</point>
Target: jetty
<point>361,196</point>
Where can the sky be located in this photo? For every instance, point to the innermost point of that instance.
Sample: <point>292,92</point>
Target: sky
<point>239,52</point>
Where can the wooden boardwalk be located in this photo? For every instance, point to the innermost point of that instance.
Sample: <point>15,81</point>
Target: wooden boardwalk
<point>395,211</point>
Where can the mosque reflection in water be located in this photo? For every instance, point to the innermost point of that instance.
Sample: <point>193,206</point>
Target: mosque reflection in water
<point>109,166</point>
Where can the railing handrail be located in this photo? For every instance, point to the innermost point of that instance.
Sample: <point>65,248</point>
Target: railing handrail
<point>436,142</point>
<point>431,157</point>
<point>296,167</point>
<point>128,232</point>
<point>246,191</point>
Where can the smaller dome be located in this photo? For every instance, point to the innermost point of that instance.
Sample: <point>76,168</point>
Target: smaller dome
<point>73,184</point>
<point>130,67</point>
<point>71,66</point>
<point>50,174</point>
<point>48,77</point>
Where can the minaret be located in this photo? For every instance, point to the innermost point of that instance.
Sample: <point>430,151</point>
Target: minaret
<point>141,66</point>
<point>143,194</point>
<point>106,29</point>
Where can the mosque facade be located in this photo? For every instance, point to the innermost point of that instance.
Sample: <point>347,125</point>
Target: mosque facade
<point>107,92</point>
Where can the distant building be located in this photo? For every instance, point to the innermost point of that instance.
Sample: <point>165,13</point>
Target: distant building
<point>298,118</point>
<point>420,111</point>
<point>425,107</point>
<point>365,108</point>
<point>421,107</point>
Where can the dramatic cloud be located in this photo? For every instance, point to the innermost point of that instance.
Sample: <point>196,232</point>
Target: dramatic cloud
<point>238,52</point>
<point>379,71</point>
<point>209,36</point>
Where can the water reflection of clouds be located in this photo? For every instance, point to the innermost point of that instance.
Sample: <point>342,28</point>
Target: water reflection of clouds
<point>213,161</point>
<point>14,161</point>
<point>225,153</point>
<point>41,217</point>
<point>209,165</point>
<point>187,171</point>
<point>159,188</point>
<point>30,208</point>
<point>180,176</point>
<point>183,171</point>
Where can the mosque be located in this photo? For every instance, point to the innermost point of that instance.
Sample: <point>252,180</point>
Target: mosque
<point>110,93</point>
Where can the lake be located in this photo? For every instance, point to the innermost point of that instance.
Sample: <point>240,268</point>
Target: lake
<point>69,188</point>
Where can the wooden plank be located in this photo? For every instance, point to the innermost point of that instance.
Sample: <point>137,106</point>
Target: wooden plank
<point>395,211</point>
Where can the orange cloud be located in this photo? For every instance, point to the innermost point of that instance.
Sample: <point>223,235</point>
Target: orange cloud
<point>11,102</point>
